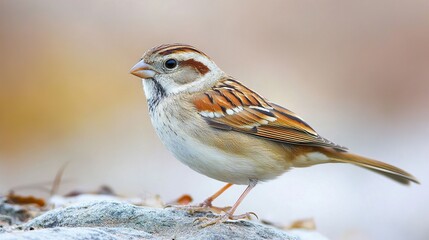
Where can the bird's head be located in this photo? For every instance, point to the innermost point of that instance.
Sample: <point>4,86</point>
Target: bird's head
<point>176,68</point>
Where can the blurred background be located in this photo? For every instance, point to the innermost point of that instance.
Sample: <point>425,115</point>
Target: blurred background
<point>357,71</point>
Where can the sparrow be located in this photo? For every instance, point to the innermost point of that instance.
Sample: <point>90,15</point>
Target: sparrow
<point>220,128</point>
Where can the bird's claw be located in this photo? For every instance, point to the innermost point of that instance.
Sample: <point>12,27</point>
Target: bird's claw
<point>251,213</point>
<point>191,209</point>
<point>168,206</point>
<point>205,222</point>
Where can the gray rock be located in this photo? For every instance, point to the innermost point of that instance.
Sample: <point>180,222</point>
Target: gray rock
<point>118,220</point>
<point>65,233</point>
<point>12,214</point>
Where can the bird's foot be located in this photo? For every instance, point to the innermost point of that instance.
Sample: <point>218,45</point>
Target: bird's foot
<point>205,221</point>
<point>203,207</point>
<point>208,207</point>
<point>188,208</point>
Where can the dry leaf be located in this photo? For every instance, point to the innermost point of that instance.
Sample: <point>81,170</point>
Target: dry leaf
<point>185,199</point>
<point>23,200</point>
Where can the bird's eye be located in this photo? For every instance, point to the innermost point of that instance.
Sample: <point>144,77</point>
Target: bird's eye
<point>170,63</point>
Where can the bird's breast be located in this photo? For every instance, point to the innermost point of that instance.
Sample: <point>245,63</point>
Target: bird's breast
<point>226,156</point>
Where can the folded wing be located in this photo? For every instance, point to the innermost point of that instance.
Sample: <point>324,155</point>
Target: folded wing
<point>231,106</point>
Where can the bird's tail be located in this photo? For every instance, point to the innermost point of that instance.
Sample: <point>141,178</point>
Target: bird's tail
<point>385,169</point>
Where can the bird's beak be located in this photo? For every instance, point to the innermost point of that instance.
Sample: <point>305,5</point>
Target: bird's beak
<point>142,70</point>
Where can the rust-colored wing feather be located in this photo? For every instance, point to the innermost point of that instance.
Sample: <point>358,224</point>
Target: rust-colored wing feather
<point>229,105</point>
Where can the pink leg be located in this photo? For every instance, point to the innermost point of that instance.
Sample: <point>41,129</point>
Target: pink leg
<point>208,201</point>
<point>251,185</point>
<point>207,204</point>
<point>230,213</point>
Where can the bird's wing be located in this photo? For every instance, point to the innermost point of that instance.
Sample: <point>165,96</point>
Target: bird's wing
<point>231,106</point>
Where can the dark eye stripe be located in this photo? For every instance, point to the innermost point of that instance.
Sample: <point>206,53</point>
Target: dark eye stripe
<point>199,66</point>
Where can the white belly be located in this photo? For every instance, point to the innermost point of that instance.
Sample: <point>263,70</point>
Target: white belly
<point>214,163</point>
<point>199,155</point>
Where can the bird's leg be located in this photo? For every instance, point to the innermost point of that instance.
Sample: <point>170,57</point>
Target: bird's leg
<point>208,201</point>
<point>230,213</point>
<point>207,204</point>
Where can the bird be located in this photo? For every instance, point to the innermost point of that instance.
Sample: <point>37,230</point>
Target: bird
<point>221,128</point>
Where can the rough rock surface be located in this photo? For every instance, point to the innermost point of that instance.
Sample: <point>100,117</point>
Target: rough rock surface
<point>118,220</point>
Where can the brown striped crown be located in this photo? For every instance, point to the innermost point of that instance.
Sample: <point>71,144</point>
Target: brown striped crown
<point>166,49</point>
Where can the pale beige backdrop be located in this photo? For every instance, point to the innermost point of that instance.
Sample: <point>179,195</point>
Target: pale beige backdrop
<point>357,71</point>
